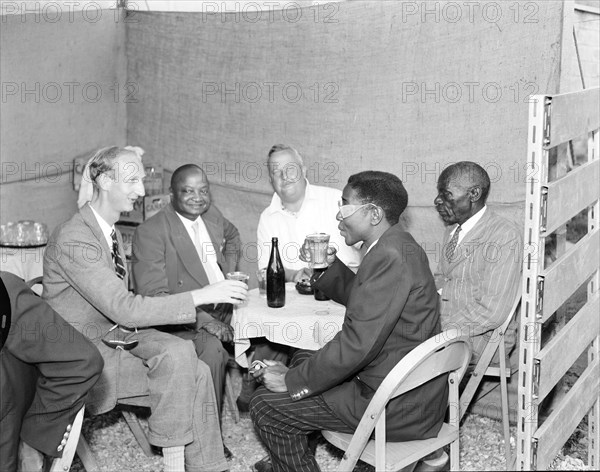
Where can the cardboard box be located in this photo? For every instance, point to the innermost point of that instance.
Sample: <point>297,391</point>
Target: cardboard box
<point>145,207</point>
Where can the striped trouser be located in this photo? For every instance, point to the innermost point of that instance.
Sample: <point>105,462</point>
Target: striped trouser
<point>284,426</point>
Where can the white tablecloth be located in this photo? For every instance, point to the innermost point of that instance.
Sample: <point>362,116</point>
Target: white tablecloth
<point>26,262</point>
<point>302,323</point>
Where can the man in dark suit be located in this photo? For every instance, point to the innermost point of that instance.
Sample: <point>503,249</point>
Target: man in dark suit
<point>188,245</point>
<point>391,307</point>
<point>85,280</point>
<point>46,371</point>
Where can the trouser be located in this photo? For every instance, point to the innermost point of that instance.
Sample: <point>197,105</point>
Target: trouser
<point>182,397</point>
<point>210,350</point>
<point>285,425</point>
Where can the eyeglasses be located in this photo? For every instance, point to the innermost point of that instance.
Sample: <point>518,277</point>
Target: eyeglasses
<point>349,210</point>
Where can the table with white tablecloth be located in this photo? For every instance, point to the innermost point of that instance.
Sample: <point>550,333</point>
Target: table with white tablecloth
<point>303,322</point>
<point>24,262</point>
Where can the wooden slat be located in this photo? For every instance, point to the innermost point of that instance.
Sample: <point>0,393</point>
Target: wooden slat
<point>562,422</point>
<point>573,115</point>
<point>569,272</point>
<point>564,349</point>
<point>571,194</point>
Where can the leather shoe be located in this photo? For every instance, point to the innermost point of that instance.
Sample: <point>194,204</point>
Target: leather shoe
<point>437,461</point>
<point>263,465</point>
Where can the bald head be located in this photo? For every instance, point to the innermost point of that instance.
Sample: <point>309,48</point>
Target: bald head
<point>467,174</point>
<point>462,191</point>
<point>190,191</point>
<point>182,172</point>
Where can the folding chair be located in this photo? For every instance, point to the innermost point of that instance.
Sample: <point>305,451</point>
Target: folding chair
<point>63,463</point>
<point>444,353</point>
<point>483,368</point>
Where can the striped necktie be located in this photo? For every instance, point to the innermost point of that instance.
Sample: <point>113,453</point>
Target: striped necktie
<point>116,256</point>
<point>451,246</point>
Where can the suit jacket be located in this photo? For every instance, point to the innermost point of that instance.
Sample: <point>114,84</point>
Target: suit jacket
<point>480,283</point>
<point>81,284</point>
<point>165,259</point>
<point>47,369</point>
<point>391,307</point>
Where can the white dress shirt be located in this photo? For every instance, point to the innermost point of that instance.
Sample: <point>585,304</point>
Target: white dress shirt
<point>317,215</point>
<point>468,225</point>
<point>205,247</point>
<point>105,227</point>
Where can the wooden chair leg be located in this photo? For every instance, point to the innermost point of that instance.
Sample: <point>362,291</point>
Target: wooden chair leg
<point>86,455</point>
<point>505,411</point>
<point>140,435</point>
<point>230,397</point>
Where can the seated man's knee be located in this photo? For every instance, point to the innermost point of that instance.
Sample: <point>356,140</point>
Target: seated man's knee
<point>95,362</point>
<point>258,404</point>
<point>181,353</point>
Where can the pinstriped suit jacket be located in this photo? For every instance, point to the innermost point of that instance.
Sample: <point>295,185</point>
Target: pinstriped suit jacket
<point>481,281</point>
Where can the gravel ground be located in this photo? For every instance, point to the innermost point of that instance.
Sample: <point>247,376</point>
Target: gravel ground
<point>481,447</point>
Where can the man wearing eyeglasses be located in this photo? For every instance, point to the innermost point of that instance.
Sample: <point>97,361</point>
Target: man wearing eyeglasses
<point>298,209</point>
<point>391,307</point>
<point>189,244</point>
<point>85,279</point>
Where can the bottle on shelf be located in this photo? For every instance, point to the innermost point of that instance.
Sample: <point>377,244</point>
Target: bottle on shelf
<point>275,278</point>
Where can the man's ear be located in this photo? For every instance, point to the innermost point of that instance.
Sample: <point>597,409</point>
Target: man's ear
<point>376,215</point>
<point>475,193</point>
<point>104,181</point>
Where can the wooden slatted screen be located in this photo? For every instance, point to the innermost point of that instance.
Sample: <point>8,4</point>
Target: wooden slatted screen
<point>553,120</point>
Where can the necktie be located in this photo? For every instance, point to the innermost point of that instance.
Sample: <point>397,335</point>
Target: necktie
<point>451,246</point>
<point>207,264</point>
<point>116,256</point>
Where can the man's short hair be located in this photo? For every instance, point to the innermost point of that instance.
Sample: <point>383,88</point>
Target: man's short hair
<point>182,170</point>
<point>383,189</point>
<point>284,147</point>
<point>468,172</point>
<point>103,161</point>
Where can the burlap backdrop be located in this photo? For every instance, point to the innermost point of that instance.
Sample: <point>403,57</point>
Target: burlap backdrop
<point>405,87</point>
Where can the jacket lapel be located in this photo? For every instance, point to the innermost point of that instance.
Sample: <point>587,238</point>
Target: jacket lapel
<point>216,236</point>
<point>90,219</point>
<point>184,247</point>
<point>468,243</point>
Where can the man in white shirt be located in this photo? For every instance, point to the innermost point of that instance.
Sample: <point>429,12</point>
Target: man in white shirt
<point>297,210</point>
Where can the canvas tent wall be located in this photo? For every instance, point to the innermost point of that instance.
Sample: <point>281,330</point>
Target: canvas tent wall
<point>377,88</point>
<point>59,64</point>
<point>405,87</point>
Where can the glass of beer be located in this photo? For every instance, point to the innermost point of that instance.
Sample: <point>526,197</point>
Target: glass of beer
<point>317,245</point>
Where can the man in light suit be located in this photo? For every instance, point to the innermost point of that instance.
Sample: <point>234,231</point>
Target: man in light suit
<point>188,245</point>
<point>480,266</point>
<point>391,307</point>
<point>86,281</point>
<point>46,371</point>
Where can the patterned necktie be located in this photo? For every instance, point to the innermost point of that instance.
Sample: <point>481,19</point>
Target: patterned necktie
<point>451,246</point>
<point>116,256</point>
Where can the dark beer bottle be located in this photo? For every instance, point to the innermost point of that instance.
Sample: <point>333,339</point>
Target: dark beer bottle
<point>275,278</point>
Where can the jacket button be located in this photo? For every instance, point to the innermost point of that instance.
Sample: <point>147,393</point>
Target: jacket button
<point>59,448</point>
<point>180,283</point>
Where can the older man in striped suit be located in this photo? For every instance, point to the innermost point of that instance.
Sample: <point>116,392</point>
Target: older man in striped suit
<point>480,266</point>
